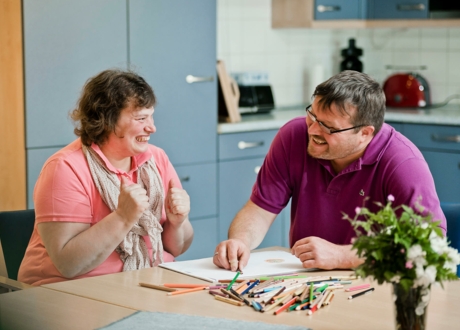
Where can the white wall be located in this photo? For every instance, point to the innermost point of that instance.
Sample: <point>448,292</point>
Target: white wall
<point>246,42</point>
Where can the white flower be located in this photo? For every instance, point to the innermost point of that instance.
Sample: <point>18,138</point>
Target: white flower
<point>391,198</point>
<point>357,210</point>
<point>453,255</point>
<point>424,225</point>
<point>452,267</point>
<point>438,244</point>
<point>431,272</point>
<point>425,277</point>
<point>414,252</point>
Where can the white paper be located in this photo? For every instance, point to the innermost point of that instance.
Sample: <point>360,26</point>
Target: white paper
<point>265,263</point>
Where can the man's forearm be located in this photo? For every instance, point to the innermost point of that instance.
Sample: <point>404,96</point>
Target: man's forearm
<point>251,225</point>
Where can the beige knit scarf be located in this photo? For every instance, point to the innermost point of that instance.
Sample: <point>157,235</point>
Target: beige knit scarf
<point>133,250</point>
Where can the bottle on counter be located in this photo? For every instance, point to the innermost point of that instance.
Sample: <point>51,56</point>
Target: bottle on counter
<point>351,60</point>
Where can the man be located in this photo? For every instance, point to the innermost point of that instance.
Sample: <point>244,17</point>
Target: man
<point>340,156</point>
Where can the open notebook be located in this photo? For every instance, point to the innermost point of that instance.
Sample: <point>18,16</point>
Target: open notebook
<point>264,263</point>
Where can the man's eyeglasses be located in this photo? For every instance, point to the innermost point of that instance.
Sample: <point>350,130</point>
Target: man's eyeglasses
<point>326,129</point>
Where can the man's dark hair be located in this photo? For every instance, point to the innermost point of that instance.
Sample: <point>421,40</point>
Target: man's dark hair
<point>358,90</point>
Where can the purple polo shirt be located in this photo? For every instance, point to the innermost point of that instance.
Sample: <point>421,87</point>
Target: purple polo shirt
<point>391,164</point>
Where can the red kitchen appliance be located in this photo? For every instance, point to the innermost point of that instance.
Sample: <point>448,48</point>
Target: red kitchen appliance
<point>407,90</point>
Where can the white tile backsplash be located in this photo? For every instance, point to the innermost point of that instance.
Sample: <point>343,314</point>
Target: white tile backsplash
<point>246,41</point>
<point>434,39</point>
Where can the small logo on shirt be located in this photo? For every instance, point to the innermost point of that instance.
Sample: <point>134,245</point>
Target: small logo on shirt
<point>361,193</point>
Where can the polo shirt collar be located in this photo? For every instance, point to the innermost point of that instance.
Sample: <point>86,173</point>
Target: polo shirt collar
<point>137,160</point>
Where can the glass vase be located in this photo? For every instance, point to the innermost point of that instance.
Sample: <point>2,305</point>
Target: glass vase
<point>410,307</point>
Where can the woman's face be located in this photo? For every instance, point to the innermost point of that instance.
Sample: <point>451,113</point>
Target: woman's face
<point>132,131</point>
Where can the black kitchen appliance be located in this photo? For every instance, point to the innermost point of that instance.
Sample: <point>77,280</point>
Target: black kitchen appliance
<point>255,99</point>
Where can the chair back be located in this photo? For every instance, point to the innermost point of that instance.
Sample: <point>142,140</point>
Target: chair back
<point>16,228</point>
<point>452,213</point>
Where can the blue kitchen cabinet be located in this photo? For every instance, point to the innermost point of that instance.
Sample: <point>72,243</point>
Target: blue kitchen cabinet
<point>340,9</point>
<point>162,40</point>
<point>65,43</point>
<point>397,9</point>
<point>172,44</point>
<point>440,145</point>
<point>240,157</point>
<point>168,41</point>
<point>204,241</point>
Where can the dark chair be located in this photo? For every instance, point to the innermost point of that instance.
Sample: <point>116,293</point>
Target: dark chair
<point>16,228</point>
<point>452,213</point>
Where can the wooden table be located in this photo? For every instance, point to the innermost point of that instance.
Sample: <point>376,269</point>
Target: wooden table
<point>40,308</point>
<point>372,311</point>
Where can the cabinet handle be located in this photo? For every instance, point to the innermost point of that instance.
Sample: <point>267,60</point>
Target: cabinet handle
<point>184,179</point>
<point>417,6</point>
<point>246,145</point>
<point>322,8</point>
<point>257,169</point>
<point>193,79</point>
<point>445,138</point>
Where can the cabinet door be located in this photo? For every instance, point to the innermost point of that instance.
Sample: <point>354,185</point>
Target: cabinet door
<point>65,43</point>
<point>397,9</point>
<point>340,9</point>
<point>245,145</point>
<point>200,183</point>
<point>445,168</point>
<point>168,41</point>
<point>236,179</point>
<point>204,240</point>
<point>440,137</point>
<point>36,158</point>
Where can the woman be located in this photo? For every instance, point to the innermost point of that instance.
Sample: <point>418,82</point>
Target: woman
<point>109,201</point>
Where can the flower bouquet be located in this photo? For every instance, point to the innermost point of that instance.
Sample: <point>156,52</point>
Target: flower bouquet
<point>403,247</point>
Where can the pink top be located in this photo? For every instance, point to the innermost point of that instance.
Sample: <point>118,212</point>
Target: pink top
<point>65,192</point>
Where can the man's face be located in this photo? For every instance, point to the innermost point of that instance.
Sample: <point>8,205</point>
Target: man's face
<point>341,147</point>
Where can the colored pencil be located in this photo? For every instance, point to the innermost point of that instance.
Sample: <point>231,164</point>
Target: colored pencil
<point>185,291</point>
<point>183,285</point>
<point>157,287</point>
<point>229,301</point>
<point>285,306</point>
<point>358,287</point>
<point>361,293</point>
<point>233,281</point>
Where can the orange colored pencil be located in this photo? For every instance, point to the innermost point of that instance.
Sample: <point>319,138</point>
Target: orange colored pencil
<point>285,306</point>
<point>184,285</point>
<point>186,291</point>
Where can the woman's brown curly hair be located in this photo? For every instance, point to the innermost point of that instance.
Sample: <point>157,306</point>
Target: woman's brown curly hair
<point>102,99</point>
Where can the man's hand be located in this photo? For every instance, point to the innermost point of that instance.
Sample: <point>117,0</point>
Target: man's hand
<point>315,252</point>
<point>177,204</point>
<point>231,254</point>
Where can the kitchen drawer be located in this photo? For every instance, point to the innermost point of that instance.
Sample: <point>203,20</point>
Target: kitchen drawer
<point>434,136</point>
<point>398,9</point>
<point>244,145</point>
<point>200,183</point>
<point>340,9</point>
<point>204,240</point>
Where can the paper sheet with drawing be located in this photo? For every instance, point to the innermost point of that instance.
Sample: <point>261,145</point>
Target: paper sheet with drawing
<point>263,263</point>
